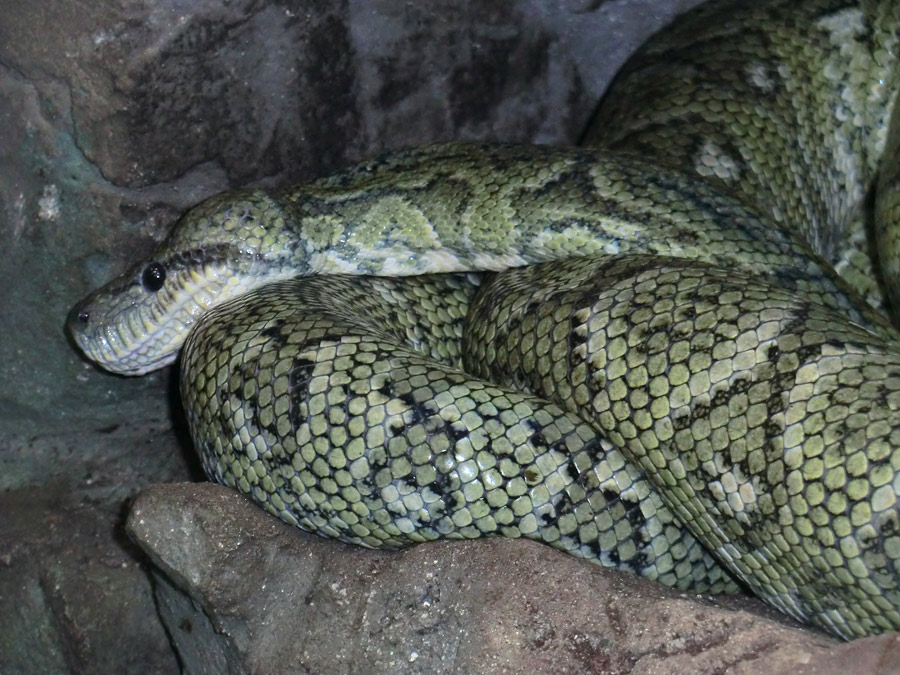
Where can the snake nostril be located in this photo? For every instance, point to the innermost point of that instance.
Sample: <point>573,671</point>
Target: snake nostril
<point>83,317</point>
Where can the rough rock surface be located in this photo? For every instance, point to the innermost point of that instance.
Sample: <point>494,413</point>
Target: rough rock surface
<point>73,590</point>
<point>117,116</point>
<point>239,591</point>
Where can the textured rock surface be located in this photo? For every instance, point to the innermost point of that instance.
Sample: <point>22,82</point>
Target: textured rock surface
<point>239,587</point>
<point>73,591</point>
<point>117,116</point>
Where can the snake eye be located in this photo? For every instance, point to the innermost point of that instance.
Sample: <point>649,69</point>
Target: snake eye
<point>153,276</point>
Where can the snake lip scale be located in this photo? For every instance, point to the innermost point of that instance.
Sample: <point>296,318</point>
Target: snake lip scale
<point>666,351</point>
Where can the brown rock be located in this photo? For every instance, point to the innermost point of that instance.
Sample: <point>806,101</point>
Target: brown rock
<point>264,597</point>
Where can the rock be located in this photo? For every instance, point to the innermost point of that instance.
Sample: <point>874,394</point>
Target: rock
<point>240,591</point>
<point>74,594</point>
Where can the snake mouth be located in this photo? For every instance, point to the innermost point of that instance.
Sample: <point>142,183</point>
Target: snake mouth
<point>127,328</point>
<point>121,342</point>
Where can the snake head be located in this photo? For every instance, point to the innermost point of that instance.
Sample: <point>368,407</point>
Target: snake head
<point>225,247</point>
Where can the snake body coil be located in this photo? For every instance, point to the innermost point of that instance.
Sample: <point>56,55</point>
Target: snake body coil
<point>672,371</point>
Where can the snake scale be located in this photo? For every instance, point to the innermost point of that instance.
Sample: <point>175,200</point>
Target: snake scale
<point>663,350</point>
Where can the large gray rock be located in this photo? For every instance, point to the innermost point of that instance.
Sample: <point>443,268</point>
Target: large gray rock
<point>239,591</point>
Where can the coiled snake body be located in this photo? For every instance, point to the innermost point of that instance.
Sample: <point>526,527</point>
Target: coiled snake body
<point>669,376</point>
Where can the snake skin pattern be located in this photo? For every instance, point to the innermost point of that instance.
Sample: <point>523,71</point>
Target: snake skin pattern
<point>653,351</point>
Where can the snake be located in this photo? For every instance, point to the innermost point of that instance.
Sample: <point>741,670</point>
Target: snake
<point>667,349</point>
